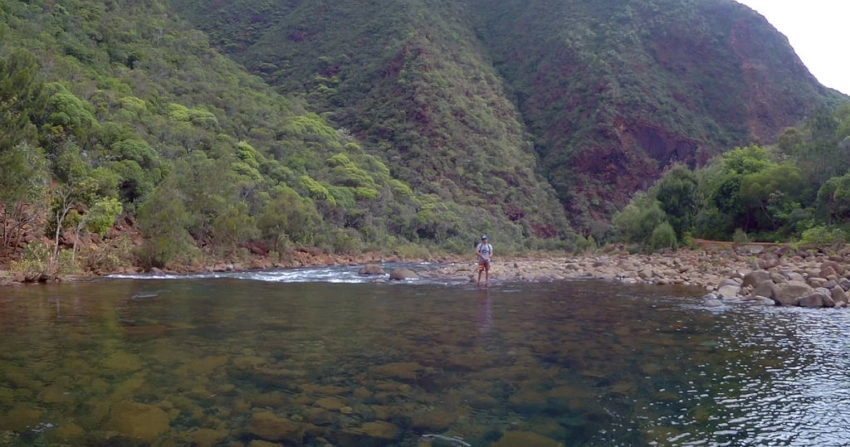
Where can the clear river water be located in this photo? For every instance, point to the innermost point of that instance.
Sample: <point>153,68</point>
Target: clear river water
<point>324,357</point>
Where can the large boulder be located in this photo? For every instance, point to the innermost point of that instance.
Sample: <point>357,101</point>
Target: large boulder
<point>789,293</point>
<point>815,300</point>
<point>765,289</point>
<point>839,296</point>
<point>729,290</point>
<point>372,269</point>
<point>400,274</point>
<point>755,278</point>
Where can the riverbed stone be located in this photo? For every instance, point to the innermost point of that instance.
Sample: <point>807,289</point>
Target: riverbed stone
<point>839,296</point>
<point>525,439</point>
<point>268,426</point>
<point>433,421</point>
<point>401,370</point>
<point>401,274</point>
<point>755,278</point>
<point>206,437</point>
<point>528,401</point>
<point>764,289</point>
<point>20,418</point>
<point>54,394</point>
<point>330,403</point>
<point>67,433</point>
<point>329,390</point>
<point>729,291</point>
<point>138,421</point>
<point>122,362</point>
<point>319,416</point>
<point>259,443</point>
<point>371,269</point>
<point>370,434</point>
<point>816,281</point>
<point>814,300</point>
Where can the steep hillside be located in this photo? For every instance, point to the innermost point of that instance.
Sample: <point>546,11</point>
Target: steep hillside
<point>610,91</point>
<point>617,90</point>
<point>120,110</point>
<point>410,79</point>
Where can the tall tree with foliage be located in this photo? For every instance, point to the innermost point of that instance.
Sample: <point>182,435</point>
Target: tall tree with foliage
<point>677,196</point>
<point>23,168</point>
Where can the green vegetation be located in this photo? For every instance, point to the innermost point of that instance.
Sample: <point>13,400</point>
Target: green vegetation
<point>215,129</point>
<point>118,108</point>
<point>755,193</point>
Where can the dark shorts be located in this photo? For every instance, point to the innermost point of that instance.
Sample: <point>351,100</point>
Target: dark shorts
<point>483,265</point>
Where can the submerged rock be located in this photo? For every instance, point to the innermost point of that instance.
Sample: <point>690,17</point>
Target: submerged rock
<point>377,433</point>
<point>268,426</point>
<point>19,418</point>
<point>371,269</point>
<point>525,439</point>
<point>401,274</point>
<point>138,421</point>
<point>402,370</point>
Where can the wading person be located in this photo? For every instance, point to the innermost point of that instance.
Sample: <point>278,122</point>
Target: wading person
<point>484,252</point>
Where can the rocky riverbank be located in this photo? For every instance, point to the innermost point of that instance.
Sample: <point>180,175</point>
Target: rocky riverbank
<point>765,273</point>
<point>768,274</point>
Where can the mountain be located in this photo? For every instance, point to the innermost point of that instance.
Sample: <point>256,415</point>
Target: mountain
<point>409,79</point>
<point>609,92</point>
<point>221,128</point>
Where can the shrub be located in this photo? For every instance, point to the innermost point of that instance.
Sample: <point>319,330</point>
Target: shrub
<point>823,235</point>
<point>663,237</point>
<point>740,236</point>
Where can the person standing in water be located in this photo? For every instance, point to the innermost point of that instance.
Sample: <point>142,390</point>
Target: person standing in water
<point>484,251</point>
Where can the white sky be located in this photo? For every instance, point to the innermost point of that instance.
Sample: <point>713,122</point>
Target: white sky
<point>818,31</point>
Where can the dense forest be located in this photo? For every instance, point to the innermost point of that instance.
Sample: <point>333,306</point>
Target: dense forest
<point>214,129</point>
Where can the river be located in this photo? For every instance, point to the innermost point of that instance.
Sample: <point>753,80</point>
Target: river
<point>321,357</point>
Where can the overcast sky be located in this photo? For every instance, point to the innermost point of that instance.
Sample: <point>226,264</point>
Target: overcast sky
<point>818,31</point>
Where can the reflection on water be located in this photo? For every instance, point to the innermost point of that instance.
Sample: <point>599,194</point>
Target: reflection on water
<point>230,361</point>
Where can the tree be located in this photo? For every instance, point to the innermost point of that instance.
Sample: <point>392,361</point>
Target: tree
<point>23,179</point>
<point>23,168</point>
<point>289,217</point>
<point>676,193</point>
<point>834,198</point>
<point>21,98</point>
<point>640,223</point>
<point>75,188</point>
<point>97,219</point>
<point>769,194</point>
<point>163,220</point>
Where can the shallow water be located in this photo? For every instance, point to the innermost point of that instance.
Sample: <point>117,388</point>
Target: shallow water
<point>339,360</point>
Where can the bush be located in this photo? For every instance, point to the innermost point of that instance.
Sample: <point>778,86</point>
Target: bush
<point>34,261</point>
<point>740,236</point>
<point>663,237</point>
<point>823,235</point>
